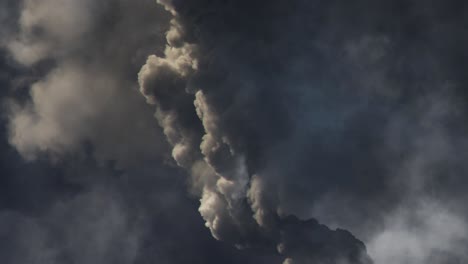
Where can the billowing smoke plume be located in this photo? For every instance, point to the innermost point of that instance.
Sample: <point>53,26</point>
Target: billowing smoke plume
<point>203,95</point>
<point>352,113</point>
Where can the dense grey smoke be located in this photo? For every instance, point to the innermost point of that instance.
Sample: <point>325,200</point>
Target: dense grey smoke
<point>236,114</point>
<point>85,88</point>
<point>321,109</point>
<point>96,188</point>
<point>300,129</point>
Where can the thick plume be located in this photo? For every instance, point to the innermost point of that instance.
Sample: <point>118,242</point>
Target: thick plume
<point>352,113</point>
<point>220,135</point>
<point>94,187</point>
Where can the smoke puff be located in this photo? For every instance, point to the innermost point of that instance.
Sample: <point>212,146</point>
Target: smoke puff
<point>76,99</point>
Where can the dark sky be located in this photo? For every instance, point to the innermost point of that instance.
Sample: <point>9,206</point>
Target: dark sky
<point>233,131</point>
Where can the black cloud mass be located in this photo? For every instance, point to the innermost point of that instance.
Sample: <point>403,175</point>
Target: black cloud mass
<point>233,131</point>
